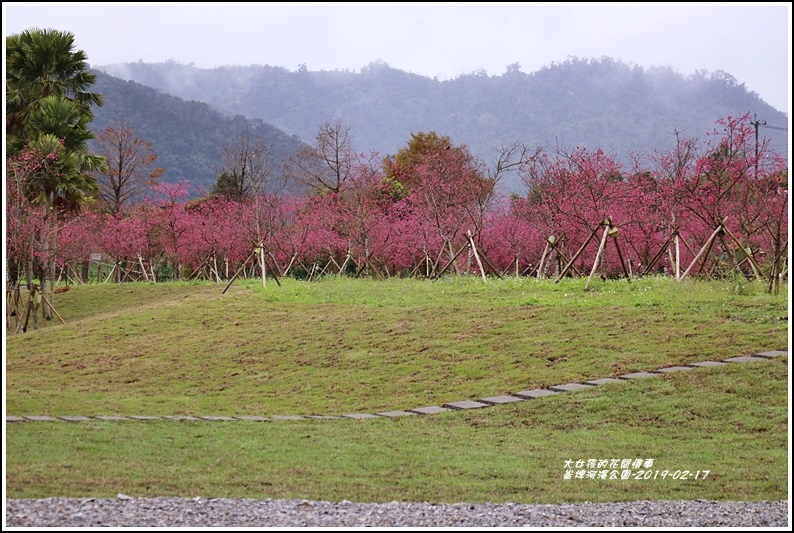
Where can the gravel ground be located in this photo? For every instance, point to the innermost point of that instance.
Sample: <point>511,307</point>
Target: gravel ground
<point>198,512</point>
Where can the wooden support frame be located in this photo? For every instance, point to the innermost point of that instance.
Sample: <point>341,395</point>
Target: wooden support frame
<point>575,256</point>
<point>600,251</point>
<point>707,245</point>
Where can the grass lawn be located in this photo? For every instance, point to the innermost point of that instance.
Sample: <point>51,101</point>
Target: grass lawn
<point>341,346</point>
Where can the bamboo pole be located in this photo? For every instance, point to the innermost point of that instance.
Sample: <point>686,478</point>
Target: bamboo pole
<point>289,265</point>
<point>490,265</point>
<point>454,257</point>
<point>657,256</point>
<point>435,263</point>
<point>562,256</point>
<point>344,263</point>
<point>613,232</point>
<point>542,259</point>
<point>194,271</point>
<point>274,269</point>
<point>238,271</point>
<point>476,256</point>
<point>416,269</point>
<point>44,299</point>
<point>365,264</point>
<point>311,272</point>
<point>598,256</point>
<point>111,272</point>
<point>143,268</point>
<point>215,268</point>
<point>262,267</point>
<point>671,258</point>
<point>748,253</point>
<point>708,250</point>
<point>575,256</point>
<point>686,245</point>
<point>31,296</point>
<point>707,244</point>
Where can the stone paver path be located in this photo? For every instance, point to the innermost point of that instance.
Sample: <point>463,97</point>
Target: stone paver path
<point>461,405</point>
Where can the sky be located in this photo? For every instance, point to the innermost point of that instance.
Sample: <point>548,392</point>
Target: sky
<point>749,41</point>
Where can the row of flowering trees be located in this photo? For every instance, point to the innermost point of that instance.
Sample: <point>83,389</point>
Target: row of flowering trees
<point>694,209</point>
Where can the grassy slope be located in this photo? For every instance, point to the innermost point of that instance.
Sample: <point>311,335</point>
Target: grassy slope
<point>343,346</point>
<point>731,421</point>
<point>360,346</point>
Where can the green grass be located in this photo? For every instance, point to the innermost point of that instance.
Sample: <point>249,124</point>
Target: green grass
<point>341,346</point>
<point>731,421</point>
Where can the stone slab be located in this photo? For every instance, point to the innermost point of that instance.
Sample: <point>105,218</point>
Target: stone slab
<point>498,400</point>
<point>465,404</point>
<point>360,416</point>
<point>602,381</point>
<point>218,418</point>
<point>11,418</point>
<point>111,418</point>
<point>74,418</point>
<point>396,414</point>
<point>535,393</point>
<point>743,359</point>
<point>568,387</point>
<point>144,417</point>
<point>40,418</point>
<point>181,417</point>
<point>638,375</point>
<point>432,410</point>
<point>708,363</point>
<point>286,417</point>
<point>324,417</point>
<point>253,418</point>
<point>671,369</point>
<point>770,355</point>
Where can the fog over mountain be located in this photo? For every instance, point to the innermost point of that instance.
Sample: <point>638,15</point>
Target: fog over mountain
<point>594,103</point>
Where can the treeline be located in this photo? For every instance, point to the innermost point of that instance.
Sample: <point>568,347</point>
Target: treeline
<point>704,208</point>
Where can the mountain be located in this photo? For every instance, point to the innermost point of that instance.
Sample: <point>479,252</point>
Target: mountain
<point>187,136</point>
<point>594,103</point>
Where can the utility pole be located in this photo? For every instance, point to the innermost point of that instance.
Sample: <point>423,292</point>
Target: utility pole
<point>755,124</point>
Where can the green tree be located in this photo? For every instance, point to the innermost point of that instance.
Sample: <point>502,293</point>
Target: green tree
<point>403,166</point>
<point>42,63</point>
<point>408,168</point>
<point>48,110</point>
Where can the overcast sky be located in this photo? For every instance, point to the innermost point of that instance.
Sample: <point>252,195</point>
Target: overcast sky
<point>750,41</point>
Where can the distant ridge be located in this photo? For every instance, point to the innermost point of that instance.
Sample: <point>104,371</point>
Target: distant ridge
<point>595,103</point>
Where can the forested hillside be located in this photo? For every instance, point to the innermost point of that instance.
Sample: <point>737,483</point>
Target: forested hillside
<point>187,136</point>
<point>600,103</point>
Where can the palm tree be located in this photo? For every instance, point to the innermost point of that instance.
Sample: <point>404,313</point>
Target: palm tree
<point>41,63</point>
<point>48,109</point>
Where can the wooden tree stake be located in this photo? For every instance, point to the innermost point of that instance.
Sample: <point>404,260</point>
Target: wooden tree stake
<point>598,255</point>
<point>575,256</point>
<point>707,245</point>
